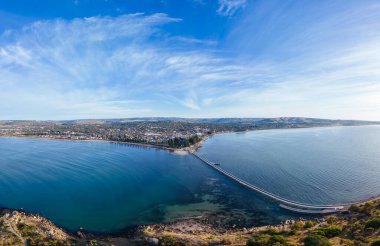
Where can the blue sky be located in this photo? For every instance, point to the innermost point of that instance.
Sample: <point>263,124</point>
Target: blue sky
<point>76,59</point>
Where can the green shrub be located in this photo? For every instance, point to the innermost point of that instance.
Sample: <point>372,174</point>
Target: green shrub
<point>331,220</point>
<point>309,224</point>
<point>329,232</point>
<point>262,240</point>
<point>267,240</point>
<point>272,231</point>
<point>253,242</point>
<point>93,242</point>
<point>21,226</point>
<point>367,208</point>
<point>373,223</point>
<point>346,242</point>
<point>346,212</point>
<point>173,241</point>
<point>376,242</point>
<point>276,239</point>
<point>298,225</point>
<point>316,240</point>
<point>354,208</point>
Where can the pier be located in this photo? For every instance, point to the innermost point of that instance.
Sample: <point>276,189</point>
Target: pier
<point>289,205</point>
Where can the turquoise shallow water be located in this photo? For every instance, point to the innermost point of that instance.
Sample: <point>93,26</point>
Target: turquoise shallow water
<point>315,165</point>
<point>105,187</point>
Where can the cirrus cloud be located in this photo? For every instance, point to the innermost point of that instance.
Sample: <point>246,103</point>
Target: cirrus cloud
<point>128,66</point>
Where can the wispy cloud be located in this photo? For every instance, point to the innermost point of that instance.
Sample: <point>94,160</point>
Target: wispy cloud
<point>127,66</point>
<point>229,7</point>
<point>51,67</point>
<point>82,67</point>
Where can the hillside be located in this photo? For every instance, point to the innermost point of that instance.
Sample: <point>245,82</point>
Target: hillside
<point>358,226</point>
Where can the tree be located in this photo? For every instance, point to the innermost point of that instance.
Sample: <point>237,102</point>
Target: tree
<point>171,142</point>
<point>177,142</point>
<point>194,139</point>
<point>187,142</point>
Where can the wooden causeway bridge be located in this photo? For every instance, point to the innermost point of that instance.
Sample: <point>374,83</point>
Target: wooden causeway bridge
<point>293,206</point>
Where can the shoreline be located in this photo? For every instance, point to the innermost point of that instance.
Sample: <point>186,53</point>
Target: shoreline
<point>193,224</point>
<point>199,230</point>
<point>204,220</point>
<point>205,217</point>
<point>178,151</point>
<point>195,147</point>
<point>190,150</point>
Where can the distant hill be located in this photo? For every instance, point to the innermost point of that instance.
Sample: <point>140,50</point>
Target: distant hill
<point>282,120</point>
<point>258,121</point>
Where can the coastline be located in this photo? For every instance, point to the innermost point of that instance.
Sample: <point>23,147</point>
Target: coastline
<point>182,150</point>
<point>17,226</point>
<point>178,151</point>
<point>194,148</point>
<point>187,228</point>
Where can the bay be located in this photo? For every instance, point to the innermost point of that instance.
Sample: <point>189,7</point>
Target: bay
<point>107,187</point>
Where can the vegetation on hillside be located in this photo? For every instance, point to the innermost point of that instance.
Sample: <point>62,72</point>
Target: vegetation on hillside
<point>359,226</point>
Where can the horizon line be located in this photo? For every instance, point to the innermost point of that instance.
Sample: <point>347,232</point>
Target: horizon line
<point>177,117</point>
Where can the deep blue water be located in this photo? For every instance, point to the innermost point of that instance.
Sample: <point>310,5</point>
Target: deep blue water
<point>105,187</point>
<point>314,165</point>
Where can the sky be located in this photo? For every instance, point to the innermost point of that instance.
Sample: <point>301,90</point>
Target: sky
<point>82,59</point>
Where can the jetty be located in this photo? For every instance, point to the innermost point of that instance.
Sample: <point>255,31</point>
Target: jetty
<point>284,203</point>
